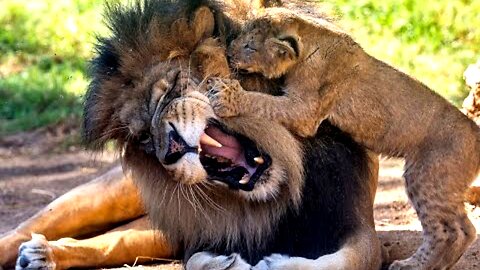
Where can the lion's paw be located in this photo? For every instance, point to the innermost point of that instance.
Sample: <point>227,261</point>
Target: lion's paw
<point>209,261</point>
<point>35,254</point>
<point>282,262</point>
<point>275,262</point>
<point>408,264</point>
<point>225,96</point>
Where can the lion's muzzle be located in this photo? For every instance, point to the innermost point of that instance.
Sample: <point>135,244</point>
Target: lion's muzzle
<point>194,147</point>
<point>177,147</point>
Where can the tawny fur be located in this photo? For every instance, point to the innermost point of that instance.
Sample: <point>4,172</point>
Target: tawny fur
<point>120,103</point>
<point>125,104</point>
<point>329,76</point>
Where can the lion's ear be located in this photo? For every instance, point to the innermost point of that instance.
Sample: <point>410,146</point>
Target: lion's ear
<point>203,23</point>
<point>287,47</point>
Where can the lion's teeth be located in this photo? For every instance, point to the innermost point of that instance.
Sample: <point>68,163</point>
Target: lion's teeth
<point>244,181</point>
<point>259,160</point>
<point>207,140</point>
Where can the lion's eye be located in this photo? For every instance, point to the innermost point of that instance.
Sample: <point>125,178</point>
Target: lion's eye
<point>249,47</point>
<point>144,137</point>
<point>146,143</point>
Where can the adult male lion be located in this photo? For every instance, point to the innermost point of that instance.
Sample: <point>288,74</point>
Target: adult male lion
<point>266,197</point>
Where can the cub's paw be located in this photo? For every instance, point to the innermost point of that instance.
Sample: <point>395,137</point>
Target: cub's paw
<point>35,254</point>
<point>225,96</point>
<point>209,261</point>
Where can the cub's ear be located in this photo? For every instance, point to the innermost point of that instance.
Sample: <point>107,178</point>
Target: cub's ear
<point>287,47</point>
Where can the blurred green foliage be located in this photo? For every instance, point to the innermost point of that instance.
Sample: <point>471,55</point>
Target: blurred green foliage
<point>45,45</point>
<point>434,41</point>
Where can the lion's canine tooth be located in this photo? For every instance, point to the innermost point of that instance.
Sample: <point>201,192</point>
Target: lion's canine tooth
<point>244,181</point>
<point>259,160</point>
<point>207,140</point>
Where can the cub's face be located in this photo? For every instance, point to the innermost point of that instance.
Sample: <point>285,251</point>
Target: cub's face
<point>264,47</point>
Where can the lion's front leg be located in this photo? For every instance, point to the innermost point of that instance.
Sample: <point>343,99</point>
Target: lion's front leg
<point>340,260</point>
<point>133,242</point>
<point>210,261</point>
<point>360,252</point>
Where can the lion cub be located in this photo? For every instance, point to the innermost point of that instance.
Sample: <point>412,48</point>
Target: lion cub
<point>329,76</point>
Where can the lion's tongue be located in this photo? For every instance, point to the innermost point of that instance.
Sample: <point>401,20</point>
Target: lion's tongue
<point>230,149</point>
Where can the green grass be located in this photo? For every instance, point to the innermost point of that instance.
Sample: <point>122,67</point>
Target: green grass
<point>44,46</point>
<point>434,41</point>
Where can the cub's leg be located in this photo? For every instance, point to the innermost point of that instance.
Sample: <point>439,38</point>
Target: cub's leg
<point>114,248</point>
<point>299,114</point>
<point>96,205</point>
<point>436,183</point>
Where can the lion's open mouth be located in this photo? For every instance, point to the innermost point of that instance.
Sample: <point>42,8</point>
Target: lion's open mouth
<point>229,158</point>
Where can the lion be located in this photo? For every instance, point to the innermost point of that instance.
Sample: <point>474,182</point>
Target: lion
<point>328,76</point>
<point>223,193</point>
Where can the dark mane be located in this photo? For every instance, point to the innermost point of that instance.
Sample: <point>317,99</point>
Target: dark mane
<point>143,33</point>
<point>137,27</point>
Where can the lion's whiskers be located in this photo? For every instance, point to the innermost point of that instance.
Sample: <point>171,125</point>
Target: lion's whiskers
<point>194,202</point>
<point>199,203</point>
<point>200,84</point>
<point>188,71</point>
<point>163,197</point>
<point>173,193</point>
<point>208,200</point>
<point>188,199</point>
<point>106,135</point>
<point>179,203</point>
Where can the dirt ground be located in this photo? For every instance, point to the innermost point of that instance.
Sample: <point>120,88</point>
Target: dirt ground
<point>37,167</point>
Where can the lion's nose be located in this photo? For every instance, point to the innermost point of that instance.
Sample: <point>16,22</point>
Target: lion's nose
<point>177,147</point>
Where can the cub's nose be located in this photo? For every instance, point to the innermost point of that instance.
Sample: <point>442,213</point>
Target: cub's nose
<point>177,147</point>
